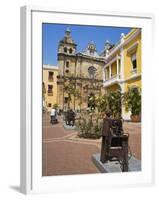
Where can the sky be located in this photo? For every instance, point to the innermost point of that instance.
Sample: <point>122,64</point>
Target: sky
<point>82,35</point>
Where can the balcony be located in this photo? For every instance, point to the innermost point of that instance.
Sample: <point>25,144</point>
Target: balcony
<point>111,81</point>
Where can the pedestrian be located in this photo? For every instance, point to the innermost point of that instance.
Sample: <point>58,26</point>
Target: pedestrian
<point>53,116</point>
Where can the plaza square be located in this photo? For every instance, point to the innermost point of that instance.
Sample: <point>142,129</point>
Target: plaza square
<point>84,90</point>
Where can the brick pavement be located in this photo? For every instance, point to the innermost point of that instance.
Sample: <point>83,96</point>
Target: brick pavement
<point>134,130</point>
<point>66,158</point>
<point>55,131</point>
<point>65,154</point>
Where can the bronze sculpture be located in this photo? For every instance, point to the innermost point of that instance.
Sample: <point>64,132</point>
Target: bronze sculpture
<point>70,117</point>
<point>114,142</point>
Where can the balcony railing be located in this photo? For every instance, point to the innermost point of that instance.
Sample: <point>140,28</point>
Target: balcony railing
<point>114,79</point>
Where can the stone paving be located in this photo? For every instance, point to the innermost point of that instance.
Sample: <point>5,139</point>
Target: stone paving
<point>134,130</point>
<point>65,154</point>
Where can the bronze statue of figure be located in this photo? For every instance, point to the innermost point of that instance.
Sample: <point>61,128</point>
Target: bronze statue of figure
<point>70,117</point>
<point>114,141</point>
<point>106,136</point>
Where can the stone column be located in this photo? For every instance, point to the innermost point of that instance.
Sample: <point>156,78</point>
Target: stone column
<point>110,71</point>
<point>104,74</point>
<point>117,65</point>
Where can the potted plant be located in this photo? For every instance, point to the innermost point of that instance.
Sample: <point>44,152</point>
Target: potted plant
<point>132,101</point>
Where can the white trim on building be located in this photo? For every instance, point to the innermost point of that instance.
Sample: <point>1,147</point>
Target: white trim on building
<point>50,67</point>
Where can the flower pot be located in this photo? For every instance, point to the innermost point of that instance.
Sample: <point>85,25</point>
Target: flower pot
<point>136,118</point>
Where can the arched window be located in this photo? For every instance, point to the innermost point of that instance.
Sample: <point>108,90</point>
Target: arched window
<point>65,49</point>
<point>51,76</point>
<point>67,64</point>
<point>70,51</point>
<point>92,71</point>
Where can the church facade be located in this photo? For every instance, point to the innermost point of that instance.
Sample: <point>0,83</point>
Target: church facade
<point>80,75</point>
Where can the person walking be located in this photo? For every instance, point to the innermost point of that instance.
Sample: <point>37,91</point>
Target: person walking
<point>53,116</point>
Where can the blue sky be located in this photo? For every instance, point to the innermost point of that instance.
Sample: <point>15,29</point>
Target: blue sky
<point>82,35</point>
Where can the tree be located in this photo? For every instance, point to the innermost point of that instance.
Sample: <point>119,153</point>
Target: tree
<point>132,100</point>
<point>92,101</point>
<point>114,103</point>
<point>101,103</point>
<point>71,91</point>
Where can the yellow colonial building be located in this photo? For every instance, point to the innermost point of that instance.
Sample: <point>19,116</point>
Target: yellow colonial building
<point>49,86</point>
<point>123,65</point>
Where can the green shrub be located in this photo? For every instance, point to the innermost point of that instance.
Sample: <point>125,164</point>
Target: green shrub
<point>114,103</point>
<point>88,129</point>
<point>132,101</point>
<point>55,106</point>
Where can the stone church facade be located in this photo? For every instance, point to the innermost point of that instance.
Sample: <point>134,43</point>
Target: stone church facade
<point>80,74</point>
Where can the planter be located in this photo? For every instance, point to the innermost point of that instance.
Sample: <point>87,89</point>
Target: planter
<point>89,136</point>
<point>136,118</point>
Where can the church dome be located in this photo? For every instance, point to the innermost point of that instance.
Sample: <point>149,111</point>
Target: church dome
<point>67,38</point>
<point>91,47</point>
<point>91,50</point>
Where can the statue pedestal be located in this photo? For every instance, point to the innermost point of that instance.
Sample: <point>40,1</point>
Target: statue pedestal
<point>67,127</point>
<point>114,166</point>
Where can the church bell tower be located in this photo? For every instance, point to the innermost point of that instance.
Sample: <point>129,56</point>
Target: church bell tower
<point>66,53</point>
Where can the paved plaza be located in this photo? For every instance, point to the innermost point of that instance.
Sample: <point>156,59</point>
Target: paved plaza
<point>65,154</point>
